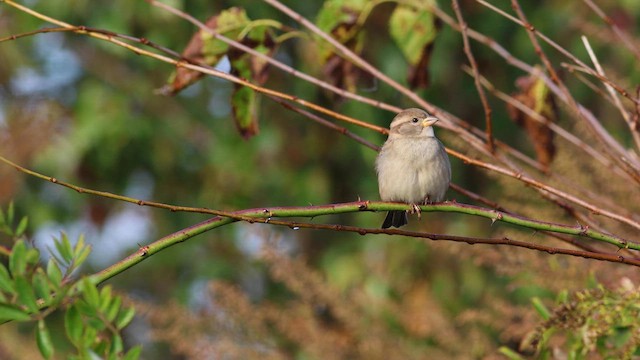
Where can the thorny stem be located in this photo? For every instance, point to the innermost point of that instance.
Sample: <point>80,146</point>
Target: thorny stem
<point>264,216</point>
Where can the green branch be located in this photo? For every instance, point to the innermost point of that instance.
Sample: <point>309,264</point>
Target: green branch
<point>267,215</point>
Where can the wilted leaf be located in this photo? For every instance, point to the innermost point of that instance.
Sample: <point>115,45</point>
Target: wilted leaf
<point>340,19</point>
<point>414,31</point>
<point>244,101</point>
<point>232,23</point>
<point>205,48</point>
<point>535,95</point>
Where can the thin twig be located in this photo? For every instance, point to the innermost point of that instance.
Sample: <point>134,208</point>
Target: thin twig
<point>327,123</point>
<point>286,68</point>
<point>544,121</point>
<point>537,184</point>
<point>625,115</point>
<point>626,40</point>
<point>615,151</point>
<point>476,75</point>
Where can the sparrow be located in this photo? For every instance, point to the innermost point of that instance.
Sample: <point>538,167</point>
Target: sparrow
<point>412,165</point>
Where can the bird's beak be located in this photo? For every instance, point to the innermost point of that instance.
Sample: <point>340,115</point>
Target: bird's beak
<point>429,121</point>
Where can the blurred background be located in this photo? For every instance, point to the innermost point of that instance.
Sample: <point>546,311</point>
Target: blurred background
<point>89,113</point>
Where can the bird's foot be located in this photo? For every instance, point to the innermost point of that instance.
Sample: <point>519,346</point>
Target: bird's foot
<point>415,209</point>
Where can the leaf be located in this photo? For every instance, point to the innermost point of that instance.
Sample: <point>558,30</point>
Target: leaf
<point>73,325</point>
<point>340,19</point>
<point>32,257</point>
<point>10,313</point>
<point>116,344</point>
<point>41,286</point>
<point>90,293</point>
<point>206,49</point>
<point>18,258</point>
<point>43,338</point>
<point>133,353</point>
<point>510,354</point>
<point>541,308</point>
<point>6,284</point>
<point>64,248</point>
<point>114,308</point>
<point>54,273</point>
<point>535,95</point>
<point>105,298</point>
<point>244,106</point>
<point>414,31</point>
<point>10,213</point>
<point>22,226</point>
<point>125,317</point>
<point>26,296</point>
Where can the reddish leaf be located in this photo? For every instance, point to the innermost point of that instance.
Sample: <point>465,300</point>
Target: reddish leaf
<point>535,95</point>
<point>340,19</point>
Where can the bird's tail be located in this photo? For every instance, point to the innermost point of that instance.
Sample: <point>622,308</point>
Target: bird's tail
<point>395,218</point>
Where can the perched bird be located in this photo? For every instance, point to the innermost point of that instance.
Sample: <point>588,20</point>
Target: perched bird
<point>412,165</point>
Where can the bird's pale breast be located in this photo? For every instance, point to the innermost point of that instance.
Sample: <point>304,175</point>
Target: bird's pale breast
<point>413,170</point>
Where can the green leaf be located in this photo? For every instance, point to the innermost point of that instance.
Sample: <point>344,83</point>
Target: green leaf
<point>64,248</point>
<point>413,30</point>
<point>73,325</point>
<point>41,286</point>
<point>229,23</point>
<point>82,256</point>
<point>125,317</point>
<point>114,308</point>
<point>6,283</point>
<point>244,106</point>
<point>79,250</point>
<point>340,19</point>
<point>26,296</point>
<point>116,344</point>
<point>10,312</point>
<point>22,226</point>
<point>54,273</point>
<point>18,258</point>
<point>510,354</point>
<point>541,308</point>
<point>105,298</point>
<point>10,213</point>
<point>133,353</point>
<point>89,337</point>
<point>33,256</point>
<point>90,293</point>
<point>43,339</point>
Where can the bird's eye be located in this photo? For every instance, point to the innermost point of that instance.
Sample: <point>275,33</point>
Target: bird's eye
<point>414,120</point>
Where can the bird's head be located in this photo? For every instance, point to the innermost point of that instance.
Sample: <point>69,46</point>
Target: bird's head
<point>413,122</point>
